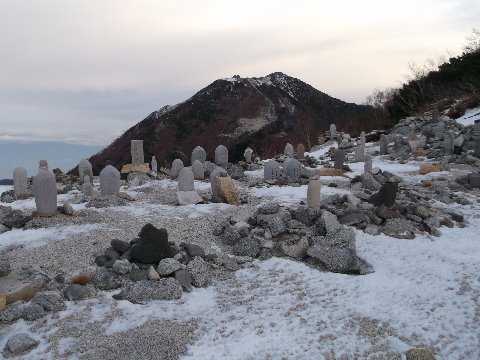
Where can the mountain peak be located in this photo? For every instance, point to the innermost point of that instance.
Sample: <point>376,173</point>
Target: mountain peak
<point>261,112</point>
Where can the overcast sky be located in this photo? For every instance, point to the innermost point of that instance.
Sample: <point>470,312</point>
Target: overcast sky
<point>84,71</point>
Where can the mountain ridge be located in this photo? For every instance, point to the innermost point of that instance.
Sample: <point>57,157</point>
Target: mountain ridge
<point>264,113</point>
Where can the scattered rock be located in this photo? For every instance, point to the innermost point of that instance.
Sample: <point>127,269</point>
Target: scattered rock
<point>169,266</point>
<point>269,208</point>
<point>4,267</point>
<point>428,168</point>
<point>152,274</point>
<point>50,301</point>
<point>295,248</point>
<point>336,250</point>
<point>200,272</point>
<point>106,279</point>
<point>20,343</point>
<point>227,190</point>
<point>33,312</point>
<point>246,246</point>
<point>122,267</point>
<point>185,279</point>
<point>399,228</point>
<point>75,292</point>
<point>11,314</point>
<point>120,246</point>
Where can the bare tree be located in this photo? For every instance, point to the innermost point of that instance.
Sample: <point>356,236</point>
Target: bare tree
<point>473,42</point>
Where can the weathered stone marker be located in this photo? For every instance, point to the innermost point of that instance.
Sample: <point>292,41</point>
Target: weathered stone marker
<point>289,151</point>
<point>221,155</point>
<point>448,142</point>
<point>359,153</point>
<point>45,191</point>
<point>383,145</point>
<point>185,180</point>
<point>248,155</point>
<point>85,168</point>
<point>109,181</point>
<point>363,140</point>
<point>367,167</point>
<point>300,151</point>
<point>439,129</point>
<point>136,148</point>
<point>87,187</point>
<point>271,171</point>
<point>154,164</point>
<point>198,170</point>
<point>20,183</point>
<point>435,114</point>
<point>313,193</point>
<point>198,154</point>
<point>339,159</point>
<point>292,167</point>
<point>333,132</point>
<point>177,165</point>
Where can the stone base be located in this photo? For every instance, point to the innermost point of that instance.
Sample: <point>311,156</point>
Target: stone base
<point>188,198</point>
<point>329,172</point>
<point>128,168</point>
<point>42,214</point>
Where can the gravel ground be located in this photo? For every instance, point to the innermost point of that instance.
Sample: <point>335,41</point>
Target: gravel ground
<point>157,339</point>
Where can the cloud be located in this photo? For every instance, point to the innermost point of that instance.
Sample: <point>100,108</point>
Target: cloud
<point>70,67</point>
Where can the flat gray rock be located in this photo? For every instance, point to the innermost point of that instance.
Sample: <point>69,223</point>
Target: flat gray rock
<point>188,198</point>
<point>20,343</point>
<point>50,301</point>
<point>168,266</point>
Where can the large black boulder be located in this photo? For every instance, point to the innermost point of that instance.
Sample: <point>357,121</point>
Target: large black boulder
<point>386,196</point>
<point>153,245</point>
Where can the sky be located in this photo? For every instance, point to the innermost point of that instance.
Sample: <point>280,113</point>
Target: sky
<point>83,71</point>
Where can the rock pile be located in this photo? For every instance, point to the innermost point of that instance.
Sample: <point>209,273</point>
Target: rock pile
<point>302,233</point>
<point>151,268</point>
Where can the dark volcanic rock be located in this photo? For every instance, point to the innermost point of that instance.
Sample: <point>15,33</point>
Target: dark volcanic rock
<point>386,196</point>
<point>153,245</point>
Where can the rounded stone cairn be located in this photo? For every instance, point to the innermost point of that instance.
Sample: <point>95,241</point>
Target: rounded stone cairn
<point>151,268</point>
<point>45,191</point>
<point>248,155</point>
<point>85,168</point>
<point>198,154</point>
<point>186,180</point>
<point>177,165</point>
<point>221,155</point>
<point>109,181</point>
<point>198,170</point>
<point>289,151</point>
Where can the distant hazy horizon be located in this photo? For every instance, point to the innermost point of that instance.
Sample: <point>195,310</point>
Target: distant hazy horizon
<point>28,154</point>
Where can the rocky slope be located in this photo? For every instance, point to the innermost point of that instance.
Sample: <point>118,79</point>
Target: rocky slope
<point>263,113</point>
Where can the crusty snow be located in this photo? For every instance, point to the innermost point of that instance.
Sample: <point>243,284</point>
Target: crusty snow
<point>424,292</point>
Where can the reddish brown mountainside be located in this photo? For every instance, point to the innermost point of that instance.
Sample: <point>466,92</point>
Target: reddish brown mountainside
<point>263,113</point>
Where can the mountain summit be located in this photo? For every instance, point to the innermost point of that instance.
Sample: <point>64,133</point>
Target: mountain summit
<point>263,113</point>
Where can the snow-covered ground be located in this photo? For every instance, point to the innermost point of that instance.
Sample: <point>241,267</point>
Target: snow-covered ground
<point>424,292</point>
<point>469,117</point>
